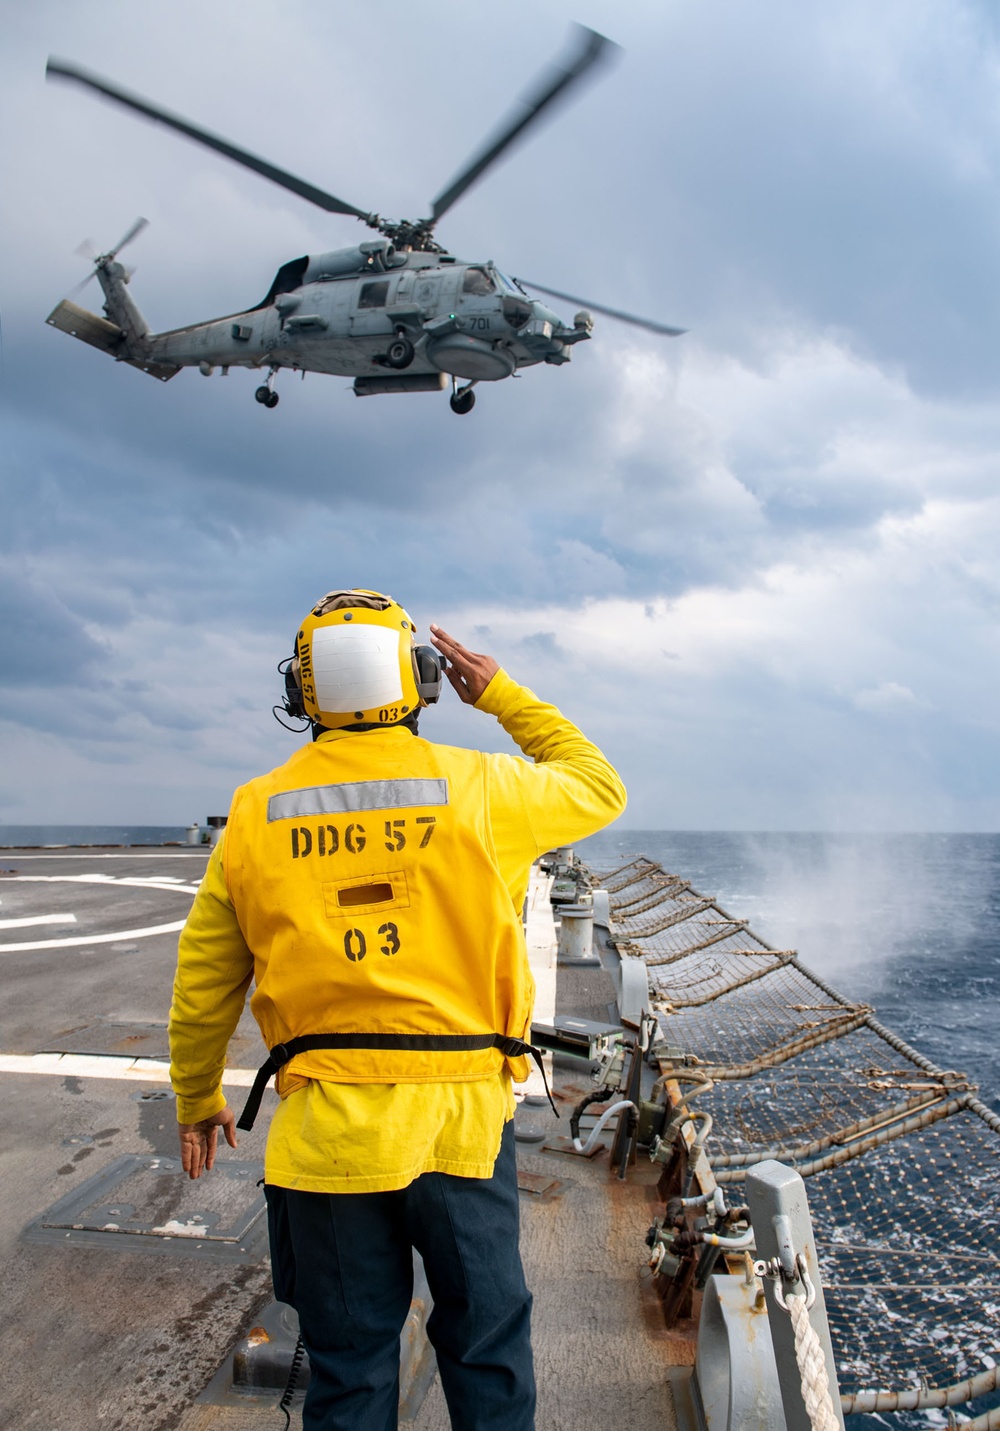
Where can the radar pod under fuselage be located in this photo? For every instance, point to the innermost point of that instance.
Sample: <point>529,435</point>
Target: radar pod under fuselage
<point>430,315</point>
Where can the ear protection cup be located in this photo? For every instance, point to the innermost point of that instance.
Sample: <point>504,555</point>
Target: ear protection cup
<point>428,668</point>
<point>292,703</point>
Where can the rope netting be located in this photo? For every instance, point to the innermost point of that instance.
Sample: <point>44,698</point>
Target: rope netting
<point>626,874</point>
<point>795,1110</point>
<point>902,1161</point>
<point>748,1022</point>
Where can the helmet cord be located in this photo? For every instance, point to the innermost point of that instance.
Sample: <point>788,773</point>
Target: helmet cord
<point>296,730</point>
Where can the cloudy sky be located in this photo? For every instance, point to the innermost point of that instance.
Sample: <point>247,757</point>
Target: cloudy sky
<point>758,563</point>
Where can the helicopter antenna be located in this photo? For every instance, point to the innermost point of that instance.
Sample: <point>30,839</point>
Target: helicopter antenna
<point>590,49</point>
<point>61,69</point>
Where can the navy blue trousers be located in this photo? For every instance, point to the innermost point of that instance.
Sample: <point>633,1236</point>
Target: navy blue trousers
<point>344,1261</point>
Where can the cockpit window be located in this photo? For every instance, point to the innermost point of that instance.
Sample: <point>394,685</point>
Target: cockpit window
<point>478,282</point>
<point>374,295</point>
<point>510,283</point>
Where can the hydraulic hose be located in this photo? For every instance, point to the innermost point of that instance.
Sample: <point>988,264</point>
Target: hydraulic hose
<point>600,1096</point>
<point>599,1125</point>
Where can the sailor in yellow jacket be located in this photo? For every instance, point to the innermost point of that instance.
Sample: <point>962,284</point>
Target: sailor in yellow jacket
<point>371,889</point>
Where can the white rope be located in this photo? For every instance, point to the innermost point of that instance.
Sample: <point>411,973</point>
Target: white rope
<point>812,1368</point>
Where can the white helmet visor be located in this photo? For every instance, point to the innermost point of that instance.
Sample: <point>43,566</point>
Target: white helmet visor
<point>356,668</point>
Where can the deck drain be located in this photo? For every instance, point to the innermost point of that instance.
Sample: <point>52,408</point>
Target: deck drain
<point>147,1204</point>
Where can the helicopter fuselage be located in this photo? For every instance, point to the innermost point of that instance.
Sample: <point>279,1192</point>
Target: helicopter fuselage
<point>394,321</point>
<point>396,313</point>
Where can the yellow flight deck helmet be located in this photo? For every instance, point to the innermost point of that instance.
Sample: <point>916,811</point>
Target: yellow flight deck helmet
<point>356,664</point>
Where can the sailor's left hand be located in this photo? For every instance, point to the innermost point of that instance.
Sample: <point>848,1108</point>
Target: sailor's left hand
<point>198,1141</point>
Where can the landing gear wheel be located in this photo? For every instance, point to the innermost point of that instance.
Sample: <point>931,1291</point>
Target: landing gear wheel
<point>271,400</point>
<point>399,353</point>
<point>263,393</point>
<point>462,402</point>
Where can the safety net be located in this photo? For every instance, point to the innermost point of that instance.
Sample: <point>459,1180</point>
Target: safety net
<point>901,1159</point>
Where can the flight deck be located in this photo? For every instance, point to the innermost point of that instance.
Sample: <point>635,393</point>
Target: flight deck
<point>127,1287</point>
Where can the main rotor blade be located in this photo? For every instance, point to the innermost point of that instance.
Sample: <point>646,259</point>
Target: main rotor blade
<point>591,47</point>
<point>660,328</point>
<point>60,69</point>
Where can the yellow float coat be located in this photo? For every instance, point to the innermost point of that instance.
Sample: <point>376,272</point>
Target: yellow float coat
<point>364,879</point>
<point>393,906</point>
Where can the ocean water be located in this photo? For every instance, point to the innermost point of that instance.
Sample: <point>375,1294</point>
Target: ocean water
<point>24,836</point>
<point>908,923</point>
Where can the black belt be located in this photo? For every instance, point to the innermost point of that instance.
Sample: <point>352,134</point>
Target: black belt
<point>282,1053</point>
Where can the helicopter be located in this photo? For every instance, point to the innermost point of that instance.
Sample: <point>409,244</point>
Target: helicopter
<point>396,312</point>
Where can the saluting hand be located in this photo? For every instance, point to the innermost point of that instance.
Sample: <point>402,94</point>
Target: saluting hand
<point>468,671</point>
<point>198,1141</point>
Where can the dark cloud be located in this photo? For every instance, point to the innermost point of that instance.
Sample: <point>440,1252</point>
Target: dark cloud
<point>43,643</point>
<point>812,469</point>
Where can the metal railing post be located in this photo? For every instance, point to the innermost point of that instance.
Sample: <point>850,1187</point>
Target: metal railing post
<point>782,1231</point>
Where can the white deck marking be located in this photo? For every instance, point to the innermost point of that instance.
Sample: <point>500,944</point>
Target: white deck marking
<point>86,1065</point>
<point>90,939</point>
<point>37,919</point>
<point>104,882</point>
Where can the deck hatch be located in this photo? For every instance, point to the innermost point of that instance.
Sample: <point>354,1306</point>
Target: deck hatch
<point>144,1203</point>
<point>540,1185</point>
<point>119,1040</point>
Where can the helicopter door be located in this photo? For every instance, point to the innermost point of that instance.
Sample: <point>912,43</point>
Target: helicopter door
<point>371,297</point>
<point>435,292</point>
<point>426,291</point>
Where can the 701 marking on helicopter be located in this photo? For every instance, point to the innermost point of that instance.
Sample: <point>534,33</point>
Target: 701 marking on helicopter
<point>397,313</point>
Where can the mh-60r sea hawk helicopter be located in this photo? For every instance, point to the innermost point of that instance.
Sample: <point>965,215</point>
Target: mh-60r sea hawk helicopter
<point>397,313</point>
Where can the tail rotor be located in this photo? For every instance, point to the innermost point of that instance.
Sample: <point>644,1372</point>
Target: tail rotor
<point>88,250</point>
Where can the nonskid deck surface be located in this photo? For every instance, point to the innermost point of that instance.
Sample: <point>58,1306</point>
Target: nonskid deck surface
<point>100,1333</point>
<point>125,1287</point>
<point>601,1350</point>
